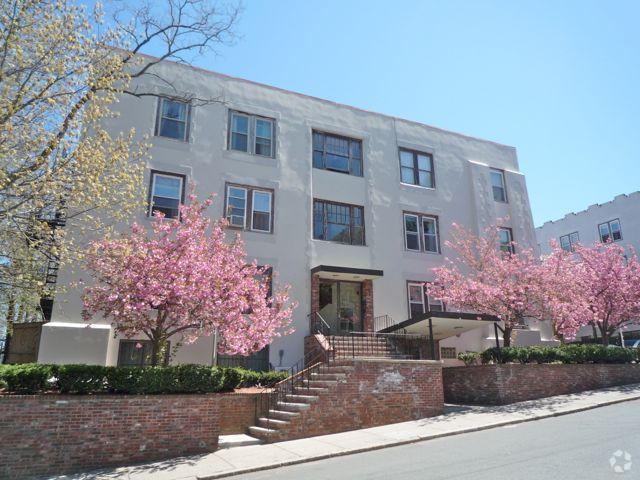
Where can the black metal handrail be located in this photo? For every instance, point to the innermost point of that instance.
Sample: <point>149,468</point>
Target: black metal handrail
<point>300,374</point>
<point>381,322</point>
<point>375,344</point>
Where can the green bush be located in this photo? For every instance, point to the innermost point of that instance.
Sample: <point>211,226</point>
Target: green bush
<point>573,353</point>
<point>28,378</point>
<point>83,379</point>
<point>80,378</point>
<point>469,358</point>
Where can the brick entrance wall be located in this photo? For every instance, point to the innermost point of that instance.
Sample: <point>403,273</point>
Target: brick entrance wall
<point>374,392</point>
<point>503,384</point>
<point>367,300</point>
<point>56,434</point>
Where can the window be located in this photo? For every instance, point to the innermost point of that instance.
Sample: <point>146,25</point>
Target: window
<point>166,194</point>
<point>249,208</point>
<point>337,222</point>
<point>569,242</point>
<point>416,168</point>
<point>498,185</point>
<point>173,119</point>
<point>448,353</point>
<point>421,233</point>
<point>419,301</point>
<point>610,231</point>
<point>336,153</point>
<point>137,353</point>
<point>251,134</point>
<point>505,237</point>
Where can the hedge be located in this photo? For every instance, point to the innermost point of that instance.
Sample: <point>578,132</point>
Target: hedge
<point>572,353</point>
<point>34,378</point>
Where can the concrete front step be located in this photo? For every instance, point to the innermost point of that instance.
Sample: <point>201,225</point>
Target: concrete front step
<point>283,415</point>
<point>265,434</point>
<point>292,406</point>
<point>301,398</point>
<point>272,423</point>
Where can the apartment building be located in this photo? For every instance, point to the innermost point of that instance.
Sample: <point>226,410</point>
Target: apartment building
<point>351,208</point>
<point>617,221</point>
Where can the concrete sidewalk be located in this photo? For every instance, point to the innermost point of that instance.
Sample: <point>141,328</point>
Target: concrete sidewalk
<point>457,419</point>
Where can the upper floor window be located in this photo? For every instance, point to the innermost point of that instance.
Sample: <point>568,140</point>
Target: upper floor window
<point>498,185</point>
<point>166,193</point>
<point>569,242</point>
<point>336,153</point>
<point>421,233</point>
<point>610,231</point>
<point>419,300</point>
<point>338,222</point>
<point>251,134</point>
<point>249,208</point>
<point>173,119</point>
<point>505,236</point>
<point>416,168</point>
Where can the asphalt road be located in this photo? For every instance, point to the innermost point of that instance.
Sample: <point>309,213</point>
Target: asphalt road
<point>575,446</point>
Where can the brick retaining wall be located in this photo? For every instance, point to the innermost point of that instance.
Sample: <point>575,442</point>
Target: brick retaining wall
<point>55,434</point>
<point>376,392</point>
<point>237,412</point>
<point>503,384</point>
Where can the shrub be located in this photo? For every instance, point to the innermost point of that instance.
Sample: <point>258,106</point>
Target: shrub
<point>248,378</point>
<point>573,353</point>
<point>231,377</point>
<point>123,379</point>
<point>271,377</point>
<point>80,378</point>
<point>543,354</point>
<point>27,378</point>
<point>469,358</point>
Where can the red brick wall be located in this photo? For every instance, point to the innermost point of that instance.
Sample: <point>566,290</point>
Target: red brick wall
<point>238,412</point>
<point>503,384</point>
<point>375,392</point>
<point>56,434</point>
<point>315,298</point>
<point>367,292</point>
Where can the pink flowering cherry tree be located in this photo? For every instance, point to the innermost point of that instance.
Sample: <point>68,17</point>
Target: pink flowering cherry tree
<point>183,278</point>
<point>484,279</point>
<point>597,286</point>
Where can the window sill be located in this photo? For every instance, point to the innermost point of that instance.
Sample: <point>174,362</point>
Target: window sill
<point>248,230</point>
<point>338,171</point>
<point>240,155</point>
<point>172,141</point>
<point>410,185</point>
<point>422,252</point>
<point>320,240</point>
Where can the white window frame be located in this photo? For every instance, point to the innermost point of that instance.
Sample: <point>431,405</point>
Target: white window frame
<point>571,243</point>
<point>154,175</point>
<point>186,121</point>
<point>252,133</point>
<point>422,244</point>
<point>253,197</point>
<point>228,215</point>
<point>417,234</point>
<point>255,136</point>
<point>503,181</point>
<point>610,230</point>
<point>511,248</point>
<point>420,285</point>
<point>437,234</point>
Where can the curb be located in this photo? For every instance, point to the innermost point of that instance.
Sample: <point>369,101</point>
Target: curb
<point>298,461</point>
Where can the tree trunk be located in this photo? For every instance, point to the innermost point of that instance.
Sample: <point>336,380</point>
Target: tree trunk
<point>595,333</point>
<point>506,336</point>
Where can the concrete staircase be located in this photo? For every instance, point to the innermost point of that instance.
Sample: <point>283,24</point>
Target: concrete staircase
<point>287,410</point>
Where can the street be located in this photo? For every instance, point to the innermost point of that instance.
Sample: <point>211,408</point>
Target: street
<point>578,445</point>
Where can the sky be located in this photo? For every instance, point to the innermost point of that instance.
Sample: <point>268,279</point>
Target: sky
<point>559,80</point>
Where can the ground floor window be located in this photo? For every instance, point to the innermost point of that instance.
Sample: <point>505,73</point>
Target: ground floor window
<point>448,353</point>
<point>137,353</point>
<point>257,361</point>
<point>420,301</point>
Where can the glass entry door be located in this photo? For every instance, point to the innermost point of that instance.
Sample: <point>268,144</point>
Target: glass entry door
<point>341,305</point>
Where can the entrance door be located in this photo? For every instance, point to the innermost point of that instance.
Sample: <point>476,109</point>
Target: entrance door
<point>341,305</point>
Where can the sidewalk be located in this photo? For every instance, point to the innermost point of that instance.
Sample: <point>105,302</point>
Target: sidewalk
<point>457,419</point>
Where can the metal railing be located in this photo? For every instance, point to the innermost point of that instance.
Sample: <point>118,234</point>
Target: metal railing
<point>381,322</point>
<point>376,344</point>
<point>316,361</point>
